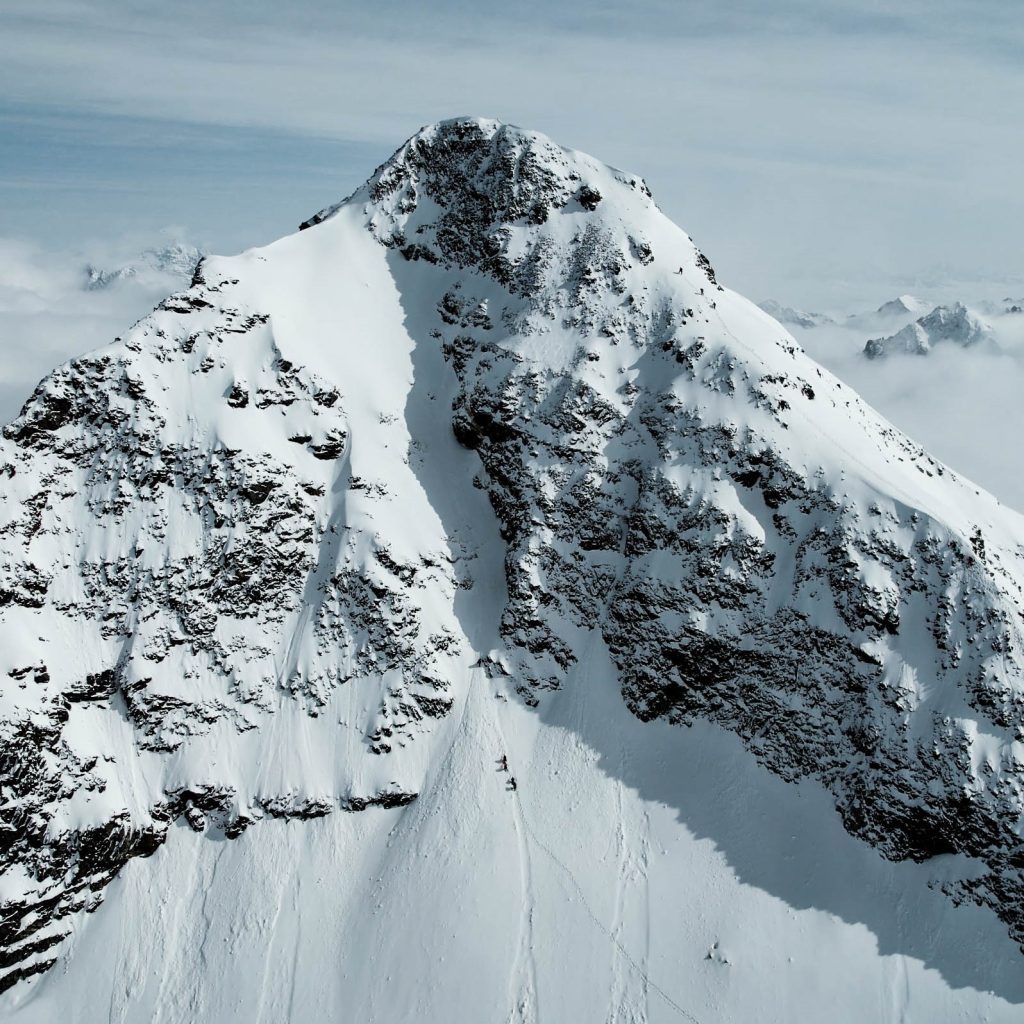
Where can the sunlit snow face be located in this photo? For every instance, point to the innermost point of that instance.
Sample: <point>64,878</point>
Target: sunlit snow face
<point>326,516</point>
<point>956,403</point>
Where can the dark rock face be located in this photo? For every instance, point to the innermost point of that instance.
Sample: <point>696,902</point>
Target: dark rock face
<point>776,634</point>
<point>180,565</point>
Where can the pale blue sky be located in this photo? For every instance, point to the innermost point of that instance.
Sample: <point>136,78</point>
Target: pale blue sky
<point>819,152</point>
<point>828,154</point>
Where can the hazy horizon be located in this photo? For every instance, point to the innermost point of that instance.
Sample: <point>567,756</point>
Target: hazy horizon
<point>820,157</point>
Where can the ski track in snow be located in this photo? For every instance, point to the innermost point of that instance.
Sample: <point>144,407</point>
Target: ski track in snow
<point>265,991</point>
<point>522,982</point>
<point>628,996</point>
<point>297,946</point>
<point>900,991</point>
<point>207,915</point>
<point>632,868</point>
<point>581,899</point>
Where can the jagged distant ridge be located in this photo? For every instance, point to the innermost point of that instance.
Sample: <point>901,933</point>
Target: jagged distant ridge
<point>955,325</point>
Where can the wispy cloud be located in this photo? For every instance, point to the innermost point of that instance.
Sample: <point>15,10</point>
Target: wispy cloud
<point>784,136</point>
<point>47,315</point>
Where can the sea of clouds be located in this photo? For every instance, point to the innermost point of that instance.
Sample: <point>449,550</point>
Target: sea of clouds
<point>49,312</point>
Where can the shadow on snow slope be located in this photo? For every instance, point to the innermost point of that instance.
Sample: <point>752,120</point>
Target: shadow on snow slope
<point>782,838</point>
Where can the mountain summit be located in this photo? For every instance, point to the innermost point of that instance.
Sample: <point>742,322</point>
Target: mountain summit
<point>432,521</point>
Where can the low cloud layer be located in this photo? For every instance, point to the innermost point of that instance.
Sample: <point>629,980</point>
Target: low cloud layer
<point>963,405</point>
<point>49,315</point>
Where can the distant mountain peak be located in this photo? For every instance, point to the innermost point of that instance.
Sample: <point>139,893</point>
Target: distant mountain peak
<point>163,265</point>
<point>794,317</point>
<point>901,305</point>
<point>955,325</point>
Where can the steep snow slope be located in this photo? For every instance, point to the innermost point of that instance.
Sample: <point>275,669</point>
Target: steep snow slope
<point>632,876</point>
<point>250,577</point>
<point>958,402</point>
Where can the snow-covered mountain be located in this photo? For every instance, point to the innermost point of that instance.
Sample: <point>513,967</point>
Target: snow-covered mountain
<point>176,261</point>
<point>901,306</point>
<point>1001,307</point>
<point>485,463</point>
<point>793,317</point>
<point>954,324</point>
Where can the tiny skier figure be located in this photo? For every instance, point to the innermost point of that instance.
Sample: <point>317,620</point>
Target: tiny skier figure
<point>512,783</point>
<point>503,763</point>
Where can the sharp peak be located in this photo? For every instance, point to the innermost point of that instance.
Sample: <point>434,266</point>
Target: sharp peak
<point>460,156</point>
<point>489,126</point>
<point>480,135</point>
